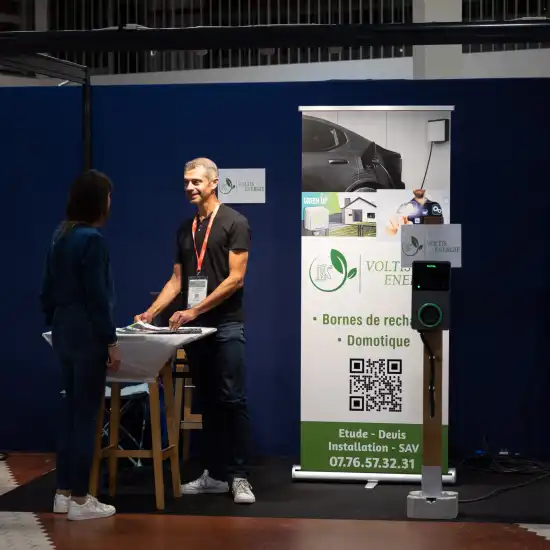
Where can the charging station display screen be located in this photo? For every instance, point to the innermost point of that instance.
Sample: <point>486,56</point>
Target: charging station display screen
<point>431,276</point>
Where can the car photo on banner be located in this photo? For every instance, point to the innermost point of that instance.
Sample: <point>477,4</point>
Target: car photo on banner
<point>336,159</point>
<point>352,151</point>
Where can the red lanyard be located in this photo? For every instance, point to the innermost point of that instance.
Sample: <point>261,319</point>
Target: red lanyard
<point>200,258</point>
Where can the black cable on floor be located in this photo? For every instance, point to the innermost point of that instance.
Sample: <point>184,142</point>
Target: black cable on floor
<point>503,464</point>
<point>501,490</point>
<point>508,465</point>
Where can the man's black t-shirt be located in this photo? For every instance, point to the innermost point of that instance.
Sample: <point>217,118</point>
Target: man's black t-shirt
<point>230,231</point>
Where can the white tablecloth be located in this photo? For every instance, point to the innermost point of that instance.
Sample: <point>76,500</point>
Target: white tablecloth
<point>144,354</point>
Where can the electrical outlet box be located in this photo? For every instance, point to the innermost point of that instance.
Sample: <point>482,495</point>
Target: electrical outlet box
<point>438,131</point>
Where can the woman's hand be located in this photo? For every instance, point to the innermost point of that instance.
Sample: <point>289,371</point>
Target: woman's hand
<point>113,362</point>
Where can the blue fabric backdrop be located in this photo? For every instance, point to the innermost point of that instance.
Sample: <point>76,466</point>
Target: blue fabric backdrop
<point>142,137</point>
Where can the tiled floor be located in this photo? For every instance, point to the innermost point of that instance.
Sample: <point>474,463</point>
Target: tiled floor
<point>7,480</point>
<point>540,530</point>
<point>23,531</point>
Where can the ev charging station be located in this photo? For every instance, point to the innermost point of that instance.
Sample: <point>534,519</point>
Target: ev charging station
<point>432,249</point>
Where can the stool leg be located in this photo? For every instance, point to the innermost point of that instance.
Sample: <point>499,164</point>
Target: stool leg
<point>187,414</point>
<point>114,436</point>
<point>178,404</point>
<point>186,436</point>
<point>171,419</point>
<point>156,440</point>
<point>98,451</point>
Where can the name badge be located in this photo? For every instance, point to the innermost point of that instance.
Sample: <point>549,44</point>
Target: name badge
<point>197,291</point>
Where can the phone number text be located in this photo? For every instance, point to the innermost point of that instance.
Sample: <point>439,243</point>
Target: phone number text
<point>372,463</point>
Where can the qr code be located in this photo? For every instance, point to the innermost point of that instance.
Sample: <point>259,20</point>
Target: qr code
<point>376,385</point>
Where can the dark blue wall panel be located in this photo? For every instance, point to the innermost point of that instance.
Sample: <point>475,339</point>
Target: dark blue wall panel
<point>142,137</point>
<point>40,153</point>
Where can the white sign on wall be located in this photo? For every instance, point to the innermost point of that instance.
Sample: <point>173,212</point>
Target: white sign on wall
<point>432,243</point>
<point>242,186</point>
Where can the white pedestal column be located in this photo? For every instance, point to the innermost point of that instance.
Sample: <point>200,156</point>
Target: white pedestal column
<point>431,62</point>
<point>41,15</point>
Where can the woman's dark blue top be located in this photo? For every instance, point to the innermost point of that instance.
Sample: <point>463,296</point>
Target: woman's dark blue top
<point>78,279</point>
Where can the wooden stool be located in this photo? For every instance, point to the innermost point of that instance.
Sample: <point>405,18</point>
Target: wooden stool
<point>184,396</point>
<point>158,454</point>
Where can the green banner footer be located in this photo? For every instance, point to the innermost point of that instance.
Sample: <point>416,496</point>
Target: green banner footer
<point>354,447</point>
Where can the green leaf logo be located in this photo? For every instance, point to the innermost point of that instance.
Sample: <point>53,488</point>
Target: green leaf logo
<point>319,272</point>
<point>227,187</point>
<point>413,248</point>
<point>339,261</point>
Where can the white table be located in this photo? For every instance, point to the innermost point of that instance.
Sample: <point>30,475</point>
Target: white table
<point>143,354</point>
<point>146,357</point>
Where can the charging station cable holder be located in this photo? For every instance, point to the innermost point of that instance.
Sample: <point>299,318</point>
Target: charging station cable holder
<point>431,249</point>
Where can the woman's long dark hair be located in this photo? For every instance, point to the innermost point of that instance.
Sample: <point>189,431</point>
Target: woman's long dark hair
<point>88,200</point>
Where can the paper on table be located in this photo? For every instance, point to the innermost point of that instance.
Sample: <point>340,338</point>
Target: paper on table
<point>143,353</point>
<point>140,326</point>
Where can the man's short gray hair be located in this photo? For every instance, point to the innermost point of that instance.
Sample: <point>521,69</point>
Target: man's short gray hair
<point>209,166</point>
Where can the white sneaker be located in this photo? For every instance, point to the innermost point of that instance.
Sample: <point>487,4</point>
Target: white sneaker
<point>91,509</point>
<point>205,484</point>
<point>242,491</point>
<point>61,504</point>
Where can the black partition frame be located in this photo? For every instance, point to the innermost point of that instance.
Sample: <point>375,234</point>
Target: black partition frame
<point>64,70</point>
<point>134,39</point>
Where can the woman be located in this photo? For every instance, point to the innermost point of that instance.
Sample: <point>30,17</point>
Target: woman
<point>77,300</point>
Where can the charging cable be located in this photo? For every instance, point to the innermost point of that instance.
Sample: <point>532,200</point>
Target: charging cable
<point>431,384</point>
<point>427,165</point>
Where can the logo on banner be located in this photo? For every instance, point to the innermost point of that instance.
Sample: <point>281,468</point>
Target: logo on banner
<point>329,274</point>
<point>411,247</point>
<point>227,186</point>
<point>314,199</point>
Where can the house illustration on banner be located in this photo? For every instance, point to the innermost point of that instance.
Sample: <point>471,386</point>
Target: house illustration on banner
<point>356,210</point>
<point>341,215</point>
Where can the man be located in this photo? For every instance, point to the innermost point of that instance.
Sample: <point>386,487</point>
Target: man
<point>413,211</point>
<point>209,272</point>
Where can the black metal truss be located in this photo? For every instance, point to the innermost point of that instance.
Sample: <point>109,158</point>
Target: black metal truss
<point>47,66</point>
<point>275,36</point>
<point>63,70</point>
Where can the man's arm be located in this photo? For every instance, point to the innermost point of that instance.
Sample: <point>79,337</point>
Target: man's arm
<point>168,294</point>
<point>238,261</point>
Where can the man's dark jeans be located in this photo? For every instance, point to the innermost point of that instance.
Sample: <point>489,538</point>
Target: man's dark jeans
<point>84,369</point>
<point>216,364</point>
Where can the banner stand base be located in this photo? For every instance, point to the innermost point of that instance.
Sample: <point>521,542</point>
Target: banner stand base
<point>302,475</point>
<point>422,506</point>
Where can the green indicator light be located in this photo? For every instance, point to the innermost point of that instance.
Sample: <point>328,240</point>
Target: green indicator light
<point>431,265</point>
